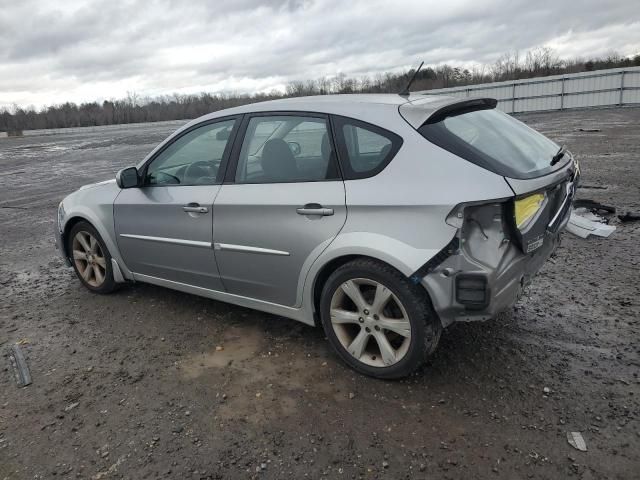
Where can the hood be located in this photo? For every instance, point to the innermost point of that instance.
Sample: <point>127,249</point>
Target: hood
<point>97,184</point>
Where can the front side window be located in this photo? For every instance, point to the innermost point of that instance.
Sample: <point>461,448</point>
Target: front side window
<point>192,159</point>
<point>286,148</point>
<point>366,149</point>
<point>495,141</point>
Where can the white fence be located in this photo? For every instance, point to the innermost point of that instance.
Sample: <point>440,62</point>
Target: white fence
<point>618,86</point>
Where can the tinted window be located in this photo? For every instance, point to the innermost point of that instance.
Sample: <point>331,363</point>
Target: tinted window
<point>494,140</point>
<point>366,149</point>
<point>192,159</point>
<point>286,149</point>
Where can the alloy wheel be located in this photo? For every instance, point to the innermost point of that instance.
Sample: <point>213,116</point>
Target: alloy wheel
<point>370,322</point>
<point>89,259</point>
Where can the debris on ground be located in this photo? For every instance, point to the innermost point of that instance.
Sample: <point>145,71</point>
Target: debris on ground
<point>71,406</point>
<point>575,331</point>
<point>19,365</point>
<point>629,217</point>
<point>593,187</point>
<point>593,206</point>
<point>583,223</point>
<point>110,471</point>
<point>219,348</point>
<point>576,440</point>
<point>589,130</point>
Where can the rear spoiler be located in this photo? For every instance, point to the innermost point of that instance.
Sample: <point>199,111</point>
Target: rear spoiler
<point>462,107</point>
<point>434,108</point>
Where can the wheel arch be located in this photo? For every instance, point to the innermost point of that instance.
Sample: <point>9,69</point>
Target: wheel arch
<point>70,223</point>
<point>123,272</point>
<point>325,271</point>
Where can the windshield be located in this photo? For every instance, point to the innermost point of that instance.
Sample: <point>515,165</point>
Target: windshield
<point>495,141</point>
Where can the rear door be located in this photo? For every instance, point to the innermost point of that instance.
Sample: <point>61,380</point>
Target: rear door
<point>164,228</point>
<point>282,204</point>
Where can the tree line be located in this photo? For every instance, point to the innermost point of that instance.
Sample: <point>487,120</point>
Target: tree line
<point>538,62</point>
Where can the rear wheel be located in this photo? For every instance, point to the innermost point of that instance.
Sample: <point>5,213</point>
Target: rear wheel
<point>379,322</point>
<point>90,258</point>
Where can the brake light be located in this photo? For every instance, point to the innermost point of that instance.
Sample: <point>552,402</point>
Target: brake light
<point>526,208</point>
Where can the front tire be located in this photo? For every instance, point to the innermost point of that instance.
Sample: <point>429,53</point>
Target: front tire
<point>380,323</point>
<point>90,258</point>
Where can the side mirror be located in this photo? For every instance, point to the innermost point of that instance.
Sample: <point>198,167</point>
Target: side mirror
<point>127,178</point>
<point>295,148</point>
<point>223,134</point>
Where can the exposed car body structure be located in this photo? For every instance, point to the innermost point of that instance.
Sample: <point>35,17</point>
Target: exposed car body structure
<point>409,183</point>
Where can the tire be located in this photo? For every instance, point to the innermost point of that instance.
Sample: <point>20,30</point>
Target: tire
<point>389,305</point>
<point>94,269</point>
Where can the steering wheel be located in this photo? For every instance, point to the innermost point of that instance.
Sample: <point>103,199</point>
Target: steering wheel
<point>197,170</point>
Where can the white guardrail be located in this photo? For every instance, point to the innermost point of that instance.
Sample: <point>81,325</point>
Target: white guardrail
<point>617,86</point>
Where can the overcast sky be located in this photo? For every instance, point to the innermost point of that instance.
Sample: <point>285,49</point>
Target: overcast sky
<point>84,50</point>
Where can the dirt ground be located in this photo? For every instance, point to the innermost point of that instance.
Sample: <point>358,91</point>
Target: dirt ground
<point>132,385</point>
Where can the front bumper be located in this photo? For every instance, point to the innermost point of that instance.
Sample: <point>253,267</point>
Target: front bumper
<point>61,249</point>
<point>58,235</point>
<point>486,270</point>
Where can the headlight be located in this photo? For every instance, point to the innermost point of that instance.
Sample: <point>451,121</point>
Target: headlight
<point>61,214</point>
<point>526,208</point>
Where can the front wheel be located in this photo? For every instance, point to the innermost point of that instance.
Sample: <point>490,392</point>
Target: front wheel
<point>379,322</point>
<point>91,259</point>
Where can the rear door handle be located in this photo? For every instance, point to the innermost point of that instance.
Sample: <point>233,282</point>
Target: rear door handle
<point>314,209</point>
<point>195,208</point>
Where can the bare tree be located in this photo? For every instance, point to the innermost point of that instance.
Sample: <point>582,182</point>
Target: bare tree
<point>134,108</point>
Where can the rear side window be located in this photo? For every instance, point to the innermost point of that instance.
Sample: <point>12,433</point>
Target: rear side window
<point>494,140</point>
<point>285,149</point>
<point>365,150</point>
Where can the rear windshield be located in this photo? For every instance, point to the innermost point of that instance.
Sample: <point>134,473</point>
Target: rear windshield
<point>495,141</point>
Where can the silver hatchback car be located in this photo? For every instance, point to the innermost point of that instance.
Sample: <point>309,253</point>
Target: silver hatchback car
<point>384,218</point>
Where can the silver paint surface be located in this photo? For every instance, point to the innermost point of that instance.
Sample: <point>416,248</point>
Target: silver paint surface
<point>252,248</point>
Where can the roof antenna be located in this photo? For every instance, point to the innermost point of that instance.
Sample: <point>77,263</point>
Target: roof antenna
<point>405,92</point>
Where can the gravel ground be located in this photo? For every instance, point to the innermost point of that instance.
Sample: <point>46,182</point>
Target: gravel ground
<point>149,382</point>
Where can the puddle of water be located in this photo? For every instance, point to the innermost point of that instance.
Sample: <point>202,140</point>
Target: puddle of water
<point>239,344</point>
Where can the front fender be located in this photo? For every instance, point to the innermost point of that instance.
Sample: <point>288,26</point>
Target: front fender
<point>95,205</point>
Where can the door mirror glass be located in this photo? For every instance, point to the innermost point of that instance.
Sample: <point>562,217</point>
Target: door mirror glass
<point>223,134</point>
<point>295,148</point>
<point>127,177</point>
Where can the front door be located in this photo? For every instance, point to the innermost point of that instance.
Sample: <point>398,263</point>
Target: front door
<point>164,228</point>
<point>281,207</point>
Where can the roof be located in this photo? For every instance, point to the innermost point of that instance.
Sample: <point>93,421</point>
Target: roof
<point>376,108</point>
<point>381,109</point>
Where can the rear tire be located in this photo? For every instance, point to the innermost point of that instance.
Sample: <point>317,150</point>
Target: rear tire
<point>90,258</point>
<point>380,323</point>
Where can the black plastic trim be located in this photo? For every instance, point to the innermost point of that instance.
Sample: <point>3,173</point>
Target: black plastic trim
<point>462,108</point>
<point>475,277</point>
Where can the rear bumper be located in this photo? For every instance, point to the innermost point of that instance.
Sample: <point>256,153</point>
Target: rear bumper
<point>485,276</point>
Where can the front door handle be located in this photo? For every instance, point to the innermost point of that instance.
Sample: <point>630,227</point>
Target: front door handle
<point>314,209</point>
<point>194,208</point>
